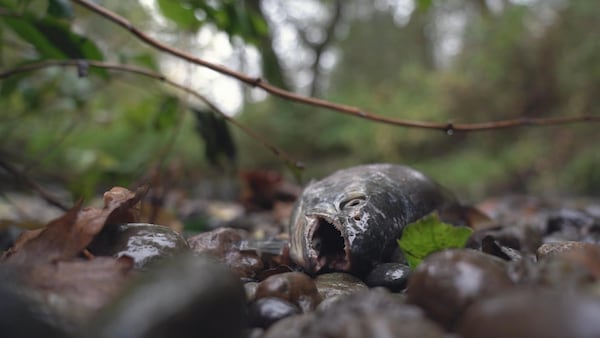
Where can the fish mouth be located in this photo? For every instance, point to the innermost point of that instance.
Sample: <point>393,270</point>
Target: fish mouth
<point>328,248</point>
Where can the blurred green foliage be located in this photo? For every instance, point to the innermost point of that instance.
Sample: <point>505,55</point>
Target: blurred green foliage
<point>106,129</point>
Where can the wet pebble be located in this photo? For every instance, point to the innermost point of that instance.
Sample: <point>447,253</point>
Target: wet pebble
<point>294,287</point>
<point>392,276</point>
<point>224,244</point>
<point>265,311</point>
<point>447,282</point>
<point>145,243</point>
<point>525,239</point>
<point>217,242</point>
<point>338,283</point>
<point>568,221</point>
<point>559,248</point>
<point>577,267</point>
<point>292,326</point>
<point>525,313</point>
<point>186,296</point>
<point>372,313</point>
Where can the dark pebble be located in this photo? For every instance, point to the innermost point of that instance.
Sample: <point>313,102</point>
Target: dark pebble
<point>392,276</point>
<point>266,311</point>
<point>568,221</point>
<point>294,287</point>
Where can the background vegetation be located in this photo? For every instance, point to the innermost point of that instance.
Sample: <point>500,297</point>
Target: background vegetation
<point>452,60</point>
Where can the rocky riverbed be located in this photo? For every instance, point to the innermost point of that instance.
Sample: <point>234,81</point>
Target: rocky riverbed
<point>534,271</point>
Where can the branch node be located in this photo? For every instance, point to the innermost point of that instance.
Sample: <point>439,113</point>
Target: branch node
<point>449,129</point>
<point>256,82</point>
<point>83,68</point>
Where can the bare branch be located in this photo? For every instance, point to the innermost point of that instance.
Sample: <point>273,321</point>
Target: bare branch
<point>157,76</point>
<point>345,109</point>
<point>20,176</point>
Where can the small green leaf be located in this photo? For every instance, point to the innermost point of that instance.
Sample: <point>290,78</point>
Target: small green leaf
<point>28,32</point>
<point>218,142</point>
<point>428,235</point>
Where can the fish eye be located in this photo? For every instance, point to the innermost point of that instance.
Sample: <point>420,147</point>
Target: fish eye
<point>352,202</point>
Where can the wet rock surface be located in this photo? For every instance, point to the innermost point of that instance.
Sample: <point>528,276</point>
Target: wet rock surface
<point>145,243</point>
<point>338,284</point>
<point>18,317</point>
<point>371,313</point>
<point>561,248</point>
<point>447,282</point>
<point>225,245</point>
<point>538,312</point>
<point>265,311</point>
<point>294,287</point>
<point>186,296</point>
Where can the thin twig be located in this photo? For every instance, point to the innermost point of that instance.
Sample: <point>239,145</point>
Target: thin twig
<point>32,184</point>
<point>345,109</point>
<point>154,75</point>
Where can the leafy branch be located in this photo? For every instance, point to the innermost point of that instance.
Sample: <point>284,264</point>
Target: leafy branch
<point>82,66</point>
<point>448,127</point>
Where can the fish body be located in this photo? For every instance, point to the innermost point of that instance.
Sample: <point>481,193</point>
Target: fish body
<point>351,220</point>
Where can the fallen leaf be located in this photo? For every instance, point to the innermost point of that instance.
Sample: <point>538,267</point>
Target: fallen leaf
<point>67,236</point>
<point>428,235</point>
<point>43,245</point>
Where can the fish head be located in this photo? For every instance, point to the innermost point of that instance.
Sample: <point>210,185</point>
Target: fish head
<point>337,223</point>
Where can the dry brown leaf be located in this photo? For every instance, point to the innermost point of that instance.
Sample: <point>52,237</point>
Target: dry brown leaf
<point>43,246</point>
<point>66,237</point>
<point>47,261</point>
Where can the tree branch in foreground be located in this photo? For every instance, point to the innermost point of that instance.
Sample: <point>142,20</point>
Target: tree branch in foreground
<point>449,127</point>
<point>79,64</point>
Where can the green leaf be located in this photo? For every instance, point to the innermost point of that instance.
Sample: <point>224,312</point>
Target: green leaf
<point>53,38</point>
<point>71,44</point>
<point>218,141</point>
<point>429,235</point>
<point>60,9</point>
<point>184,17</point>
<point>28,32</point>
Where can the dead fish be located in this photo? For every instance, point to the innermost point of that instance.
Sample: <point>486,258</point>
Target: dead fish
<point>351,220</point>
